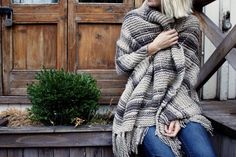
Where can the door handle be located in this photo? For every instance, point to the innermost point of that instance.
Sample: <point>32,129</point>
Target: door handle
<point>9,13</point>
<point>226,24</point>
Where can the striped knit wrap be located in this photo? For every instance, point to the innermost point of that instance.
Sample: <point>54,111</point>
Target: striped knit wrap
<point>159,88</point>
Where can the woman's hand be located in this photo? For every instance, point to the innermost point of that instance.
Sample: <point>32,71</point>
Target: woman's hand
<point>173,129</point>
<point>163,40</point>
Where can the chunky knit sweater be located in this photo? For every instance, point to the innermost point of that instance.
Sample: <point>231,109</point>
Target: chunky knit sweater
<point>160,88</point>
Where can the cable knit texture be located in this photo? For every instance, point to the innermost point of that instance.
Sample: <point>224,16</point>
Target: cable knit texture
<point>159,89</point>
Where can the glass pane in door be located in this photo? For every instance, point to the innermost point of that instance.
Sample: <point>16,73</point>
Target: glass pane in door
<point>101,1</point>
<point>34,1</point>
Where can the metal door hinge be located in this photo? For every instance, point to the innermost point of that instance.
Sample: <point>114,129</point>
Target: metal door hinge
<point>8,12</point>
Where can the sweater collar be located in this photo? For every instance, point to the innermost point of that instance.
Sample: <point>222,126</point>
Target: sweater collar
<point>155,16</point>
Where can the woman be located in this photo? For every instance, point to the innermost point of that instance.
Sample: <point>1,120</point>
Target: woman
<point>159,108</point>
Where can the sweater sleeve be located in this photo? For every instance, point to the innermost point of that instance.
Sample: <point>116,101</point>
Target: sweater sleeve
<point>129,53</point>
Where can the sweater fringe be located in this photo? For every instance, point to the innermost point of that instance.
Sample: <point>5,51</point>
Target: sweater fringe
<point>126,143</point>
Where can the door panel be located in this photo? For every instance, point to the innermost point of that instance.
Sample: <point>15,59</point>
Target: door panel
<point>37,38</point>
<point>97,50</point>
<point>93,29</point>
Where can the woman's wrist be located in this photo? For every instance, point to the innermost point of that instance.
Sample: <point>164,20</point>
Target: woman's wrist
<point>152,49</point>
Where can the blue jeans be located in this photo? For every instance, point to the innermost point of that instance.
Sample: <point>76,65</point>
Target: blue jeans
<point>194,138</point>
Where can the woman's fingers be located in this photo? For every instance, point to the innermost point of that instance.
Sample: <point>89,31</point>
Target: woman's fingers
<point>163,40</point>
<point>171,32</point>
<point>173,129</point>
<point>177,129</point>
<point>174,39</point>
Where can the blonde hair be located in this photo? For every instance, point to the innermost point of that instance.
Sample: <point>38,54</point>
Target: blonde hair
<point>176,8</point>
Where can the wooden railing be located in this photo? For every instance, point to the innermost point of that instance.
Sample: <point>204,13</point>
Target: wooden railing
<point>224,44</point>
<point>218,57</point>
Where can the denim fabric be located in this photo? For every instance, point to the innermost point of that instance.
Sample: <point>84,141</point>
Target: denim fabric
<point>195,143</point>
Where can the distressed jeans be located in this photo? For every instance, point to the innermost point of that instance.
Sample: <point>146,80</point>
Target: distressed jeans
<point>194,138</point>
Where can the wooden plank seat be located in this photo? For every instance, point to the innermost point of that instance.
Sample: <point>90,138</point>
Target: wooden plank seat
<point>223,117</point>
<point>222,114</point>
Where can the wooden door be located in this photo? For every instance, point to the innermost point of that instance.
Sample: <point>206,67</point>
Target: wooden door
<point>37,38</point>
<point>93,28</point>
<point>77,35</point>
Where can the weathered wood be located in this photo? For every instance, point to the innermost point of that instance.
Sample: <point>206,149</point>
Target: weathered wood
<point>55,137</point>
<point>56,129</point>
<point>62,152</point>
<point>213,32</point>
<point>93,151</point>
<point>210,29</point>
<point>57,140</point>
<point>96,45</point>
<point>77,152</point>
<point>217,59</point>
<point>31,152</point>
<point>39,37</point>
<point>13,152</point>
<point>1,88</point>
<point>91,38</point>
<point>46,152</point>
<point>3,152</point>
<point>224,145</point>
<point>81,18</point>
<point>231,58</point>
<point>14,100</point>
<point>222,114</point>
<point>107,152</point>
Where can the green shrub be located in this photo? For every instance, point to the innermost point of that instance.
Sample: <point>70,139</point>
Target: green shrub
<point>58,97</point>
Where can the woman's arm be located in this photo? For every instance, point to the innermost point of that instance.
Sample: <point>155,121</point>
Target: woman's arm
<point>129,53</point>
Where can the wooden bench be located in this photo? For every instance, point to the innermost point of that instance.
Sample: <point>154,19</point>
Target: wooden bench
<point>223,117</point>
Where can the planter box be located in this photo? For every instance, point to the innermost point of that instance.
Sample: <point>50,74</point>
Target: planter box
<point>84,141</point>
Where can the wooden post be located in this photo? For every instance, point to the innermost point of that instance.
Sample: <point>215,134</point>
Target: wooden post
<point>217,58</point>
<point>0,51</point>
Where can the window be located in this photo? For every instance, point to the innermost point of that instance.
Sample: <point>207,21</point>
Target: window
<point>34,1</point>
<point>101,1</point>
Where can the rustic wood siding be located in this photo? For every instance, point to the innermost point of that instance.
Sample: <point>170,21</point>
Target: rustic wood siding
<point>85,141</point>
<point>224,145</point>
<point>57,152</point>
